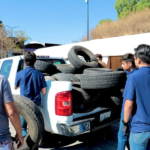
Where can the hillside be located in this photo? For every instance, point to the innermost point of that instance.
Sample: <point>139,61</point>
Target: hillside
<point>135,23</point>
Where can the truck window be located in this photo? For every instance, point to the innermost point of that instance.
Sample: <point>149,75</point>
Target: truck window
<point>54,61</point>
<point>6,67</point>
<point>21,65</point>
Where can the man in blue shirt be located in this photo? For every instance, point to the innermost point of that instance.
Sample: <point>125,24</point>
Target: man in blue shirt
<point>138,86</point>
<point>31,83</point>
<point>128,65</point>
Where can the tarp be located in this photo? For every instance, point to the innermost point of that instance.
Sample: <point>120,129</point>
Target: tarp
<point>107,47</point>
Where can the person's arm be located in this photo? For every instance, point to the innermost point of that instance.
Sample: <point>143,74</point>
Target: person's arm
<point>43,91</point>
<point>15,120</point>
<point>12,111</point>
<point>17,82</point>
<point>130,96</point>
<point>128,110</point>
<point>102,63</point>
<point>16,87</point>
<point>43,85</point>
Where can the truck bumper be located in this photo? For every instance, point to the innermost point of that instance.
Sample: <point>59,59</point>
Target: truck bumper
<point>85,125</point>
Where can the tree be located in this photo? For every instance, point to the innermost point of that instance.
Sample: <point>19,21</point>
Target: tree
<point>21,37</point>
<point>124,7</point>
<point>8,43</point>
<point>104,21</point>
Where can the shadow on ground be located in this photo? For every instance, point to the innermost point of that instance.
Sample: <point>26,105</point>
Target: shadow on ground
<point>86,141</point>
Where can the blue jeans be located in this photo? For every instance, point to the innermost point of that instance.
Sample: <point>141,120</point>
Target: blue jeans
<point>139,141</point>
<point>24,126</point>
<point>122,138</point>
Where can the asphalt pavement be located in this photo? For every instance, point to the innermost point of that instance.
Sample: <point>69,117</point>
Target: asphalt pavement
<point>105,139</point>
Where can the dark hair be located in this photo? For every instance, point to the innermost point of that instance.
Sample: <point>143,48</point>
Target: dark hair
<point>99,56</point>
<point>30,58</point>
<point>128,58</point>
<point>143,52</point>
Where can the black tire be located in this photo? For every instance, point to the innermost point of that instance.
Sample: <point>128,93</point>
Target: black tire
<point>81,101</point>
<point>45,67</point>
<point>73,78</point>
<point>119,69</point>
<point>91,61</point>
<point>42,66</point>
<point>96,70</point>
<point>34,119</point>
<point>78,76</point>
<point>61,77</point>
<point>49,78</point>
<point>45,74</point>
<point>110,99</point>
<point>76,84</point>
<point>66,68</point>
<point>103,80</point>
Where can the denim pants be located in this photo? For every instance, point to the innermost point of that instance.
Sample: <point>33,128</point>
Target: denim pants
<point>139,141</point>
<point>122,138</point>
<point>23,126</point>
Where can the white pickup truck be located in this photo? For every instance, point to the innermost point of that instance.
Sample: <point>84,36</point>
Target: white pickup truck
<point>56,109</point>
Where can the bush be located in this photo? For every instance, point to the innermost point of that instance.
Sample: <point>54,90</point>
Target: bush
<point>134,23</point>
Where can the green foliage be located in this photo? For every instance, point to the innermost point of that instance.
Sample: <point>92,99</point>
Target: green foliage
<point>124,7</point>
<point>104,21</point>
<point>9,43</point>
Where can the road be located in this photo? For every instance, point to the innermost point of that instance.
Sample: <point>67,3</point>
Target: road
<point>99,140</point>
<point>92,141</point>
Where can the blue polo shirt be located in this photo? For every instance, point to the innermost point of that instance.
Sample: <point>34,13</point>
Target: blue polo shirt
<point>138,86</point>
<point>125,89</point>
<point>31,81</point>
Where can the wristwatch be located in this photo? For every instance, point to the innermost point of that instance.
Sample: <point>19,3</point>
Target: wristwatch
<point>125,123</point>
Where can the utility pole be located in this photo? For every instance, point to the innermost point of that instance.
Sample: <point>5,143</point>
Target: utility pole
<point>87,1</point>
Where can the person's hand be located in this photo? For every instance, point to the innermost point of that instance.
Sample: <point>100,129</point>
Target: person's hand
<point>19,141</point>
<point>125,127</point>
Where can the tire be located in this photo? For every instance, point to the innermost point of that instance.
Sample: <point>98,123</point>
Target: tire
<point>45,67</point>
<point>78,76</point>
<point>76,84</point>
<point>91,61</point>
<point>96,70</point>
<point>66,68</point>
<point>111,99</point>
<point>73,78</point>
<point>103,80</point>
<point>119,69</point>
<point>61,77</point>
<point>42,66</point>
<point>34,119</point>
<point>49,78</point>
<point>45,74</point>
<point>81,101</point>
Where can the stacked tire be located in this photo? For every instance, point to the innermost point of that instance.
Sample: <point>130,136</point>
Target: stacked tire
<point>92,86</point>
<point>98,86</point>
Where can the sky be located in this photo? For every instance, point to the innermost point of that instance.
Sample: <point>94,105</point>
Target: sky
<point>55,21</point>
